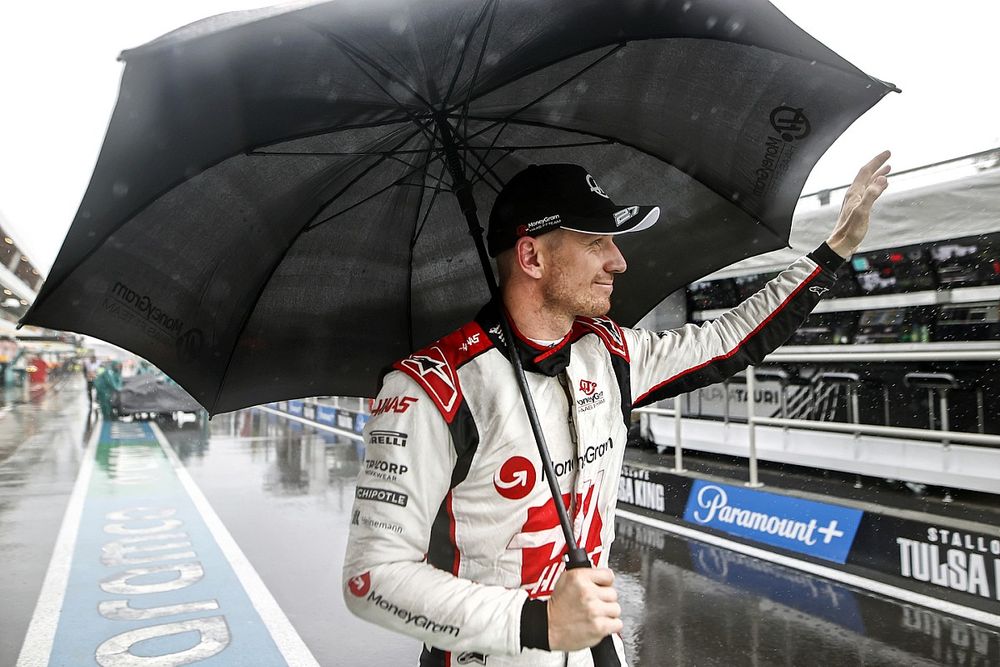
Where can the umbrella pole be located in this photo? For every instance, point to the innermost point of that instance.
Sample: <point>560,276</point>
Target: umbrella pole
<point>463,190</point>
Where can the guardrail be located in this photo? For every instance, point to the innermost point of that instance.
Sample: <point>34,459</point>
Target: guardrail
<point>944,436</point>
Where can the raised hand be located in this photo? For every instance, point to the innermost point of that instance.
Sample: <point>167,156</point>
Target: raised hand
<point>852,224</point>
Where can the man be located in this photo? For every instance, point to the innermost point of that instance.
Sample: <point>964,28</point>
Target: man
<point>454,538</point>
<point>90,369</point>
<point>107,384</point>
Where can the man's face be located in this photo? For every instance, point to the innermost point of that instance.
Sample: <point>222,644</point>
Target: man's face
<point>579,277</point>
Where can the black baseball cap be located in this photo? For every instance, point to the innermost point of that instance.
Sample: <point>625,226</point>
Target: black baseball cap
<point>544,197</point>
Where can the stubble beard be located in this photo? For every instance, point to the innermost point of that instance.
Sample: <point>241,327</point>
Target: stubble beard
<point>565,300</point>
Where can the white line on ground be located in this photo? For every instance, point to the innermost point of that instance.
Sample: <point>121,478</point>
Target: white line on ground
<point>292,648</point>
<point>42,630</point>
<point>857,581</point>
<point>339,431</point>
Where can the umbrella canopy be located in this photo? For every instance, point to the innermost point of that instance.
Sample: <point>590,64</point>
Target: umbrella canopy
<point>271,214</point>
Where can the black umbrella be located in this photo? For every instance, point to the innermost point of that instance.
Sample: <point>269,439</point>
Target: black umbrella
<point>271,214</point>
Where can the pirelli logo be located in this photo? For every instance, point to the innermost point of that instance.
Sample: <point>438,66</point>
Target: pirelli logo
<point>381,495</point>
<point>387,438</point>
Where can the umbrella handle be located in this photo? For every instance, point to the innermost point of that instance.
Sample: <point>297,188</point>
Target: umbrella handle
<point>604,652</point>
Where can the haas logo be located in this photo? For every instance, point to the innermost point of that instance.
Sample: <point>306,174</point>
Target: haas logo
<point>360,585</point>
<point>588,387</point>
<point>543,546</point>
<point>515,479</point>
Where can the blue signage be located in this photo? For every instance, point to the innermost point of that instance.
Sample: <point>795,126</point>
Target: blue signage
<point>326,414</point>
<point>359,422</point>
<point>808,527</point>
<point>295,408</point>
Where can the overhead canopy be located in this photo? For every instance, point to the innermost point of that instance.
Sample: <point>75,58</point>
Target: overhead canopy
<point>950,209</point>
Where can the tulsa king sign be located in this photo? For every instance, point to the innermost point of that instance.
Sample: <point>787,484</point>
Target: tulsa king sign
<point>815,529</point>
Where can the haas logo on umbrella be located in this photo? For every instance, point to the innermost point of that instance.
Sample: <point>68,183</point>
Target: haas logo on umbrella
<point>515,479</point>
<point>360,585</point>
<point>790,123</point>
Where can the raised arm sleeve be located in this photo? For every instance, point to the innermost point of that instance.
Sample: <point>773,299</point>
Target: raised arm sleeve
<point>404,481</point>
<point>668,363</point>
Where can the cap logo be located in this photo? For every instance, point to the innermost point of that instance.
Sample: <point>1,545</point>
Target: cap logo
<point>594,187</point>
<point>547,221</point>
<point>624,215</point>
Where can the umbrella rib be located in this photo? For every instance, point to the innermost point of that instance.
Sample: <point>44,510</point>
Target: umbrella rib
<point>356,57</point>
<point>488,168</point>
<point>355,53</point>
<point>539,147</point>
<point>334,153</point>
<point>430,205</point>
<point>510,116</point>
<point>398,182</point>
<point>465,47</point>
<point>363,173</point>
<point>475,75</point>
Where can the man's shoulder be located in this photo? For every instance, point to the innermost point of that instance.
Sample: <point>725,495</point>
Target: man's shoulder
<point>607,330</point>
<point>435,366</point>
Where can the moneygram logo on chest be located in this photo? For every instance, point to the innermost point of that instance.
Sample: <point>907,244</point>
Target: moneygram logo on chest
<point>515,479</point>
<point>591,396</point>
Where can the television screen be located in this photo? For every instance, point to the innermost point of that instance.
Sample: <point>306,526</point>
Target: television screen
<point>894,271</point>
<point>967,262</point>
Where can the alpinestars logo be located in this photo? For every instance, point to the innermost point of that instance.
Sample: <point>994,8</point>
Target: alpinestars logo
<point>437,377</point>
<point>610,332</point>
<point>819,291</point>
<point>470,658</point>
<point>543,546</point>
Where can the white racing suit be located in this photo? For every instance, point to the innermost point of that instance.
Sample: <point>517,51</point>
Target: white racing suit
<point>455,538</point>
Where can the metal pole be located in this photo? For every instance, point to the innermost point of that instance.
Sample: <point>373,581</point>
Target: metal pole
<point>980,411</point>
<point>885,402</point>
<point>678,450</point>
<point>751,434</point>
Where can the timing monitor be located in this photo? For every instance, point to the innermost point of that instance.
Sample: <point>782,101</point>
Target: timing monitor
<point>712,294</point>
<point>836,328</point>
<point>968,321</point>
<point>895,325</point>
<point>967,262</point>
<point>894,271</point>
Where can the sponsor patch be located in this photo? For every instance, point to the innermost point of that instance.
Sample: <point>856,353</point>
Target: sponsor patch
<point>432,371</point>
<point>387,470</point>
<point>515,479</point>
<point>360,585</point>
<point>410,618</point>
<point>609,332</point>
<point>543,545</point>
<point>626,214</point>
<point>381,495</point>
<point>360,519</point>
<point>397,404</point>
<point>394,438</point>
<point>469,658</point>
<point>815,529</point>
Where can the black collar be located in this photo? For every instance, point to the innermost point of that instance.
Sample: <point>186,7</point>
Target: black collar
<point>550,361</point>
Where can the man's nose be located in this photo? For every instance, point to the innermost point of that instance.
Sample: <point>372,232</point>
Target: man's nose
<point>616,262</point>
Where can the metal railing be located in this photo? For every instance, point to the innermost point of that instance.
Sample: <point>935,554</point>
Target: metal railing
<point>944,436</point>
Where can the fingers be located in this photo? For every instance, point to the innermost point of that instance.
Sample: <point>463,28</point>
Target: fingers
<point>601,576</point>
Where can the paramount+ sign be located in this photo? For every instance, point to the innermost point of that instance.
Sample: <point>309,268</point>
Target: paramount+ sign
<point>812,528</point>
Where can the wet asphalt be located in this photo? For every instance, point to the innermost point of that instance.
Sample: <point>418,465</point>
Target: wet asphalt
<point>285,492</point>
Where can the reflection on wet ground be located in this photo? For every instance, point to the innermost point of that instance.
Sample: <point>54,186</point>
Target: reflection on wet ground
<point>285,491</point>
<point>695,604</point>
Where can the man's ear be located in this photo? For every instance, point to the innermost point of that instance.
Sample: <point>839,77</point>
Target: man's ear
<point>526,255</point>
